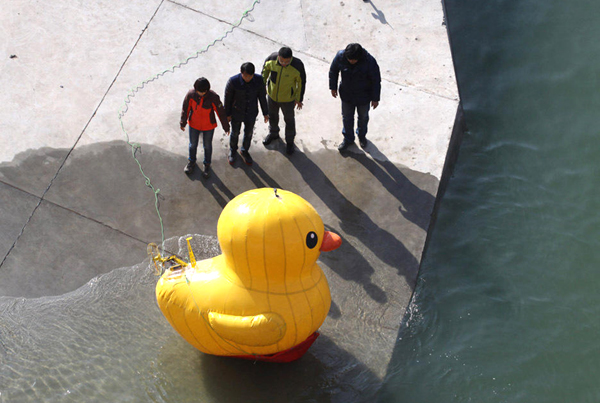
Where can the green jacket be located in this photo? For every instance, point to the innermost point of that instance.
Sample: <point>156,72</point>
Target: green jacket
<point>284,84</point>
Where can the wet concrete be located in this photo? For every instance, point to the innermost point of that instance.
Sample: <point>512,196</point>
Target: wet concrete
<point>99,214</point>
<point>16,207</point>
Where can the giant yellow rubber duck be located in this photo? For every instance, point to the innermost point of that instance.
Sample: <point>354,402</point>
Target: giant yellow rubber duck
<point>265,296</point>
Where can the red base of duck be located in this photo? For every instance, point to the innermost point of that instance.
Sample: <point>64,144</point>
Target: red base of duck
<point>289,355</point>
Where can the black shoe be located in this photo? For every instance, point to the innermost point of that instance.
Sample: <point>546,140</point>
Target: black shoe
<point>231,156</point>
<point>345,144</point>
<point>189,168</point>
<point>362,142</point>
<point>270,138</point>
<point>206,172</point>
<point>246,157</point>
<point>289,148</point>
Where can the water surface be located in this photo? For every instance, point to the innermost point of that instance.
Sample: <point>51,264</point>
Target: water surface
<point>506,307</point>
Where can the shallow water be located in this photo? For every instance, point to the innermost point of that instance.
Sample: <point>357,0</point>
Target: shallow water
<point>108,342</point>
<point>506,307</point>
<point>105,342</point>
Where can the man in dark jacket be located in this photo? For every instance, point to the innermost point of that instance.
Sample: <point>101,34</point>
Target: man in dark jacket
<point>241,95</point>
<point>198,110</point>
<point>359,89</point>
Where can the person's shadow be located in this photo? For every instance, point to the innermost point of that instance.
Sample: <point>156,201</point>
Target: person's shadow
<point>357,224</point>
<point>214,185</point>
<point>417,204</point>
<point>259,177</point>
<point>378,14</point>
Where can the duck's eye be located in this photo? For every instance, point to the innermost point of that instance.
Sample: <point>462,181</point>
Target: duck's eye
<point>311,240</point>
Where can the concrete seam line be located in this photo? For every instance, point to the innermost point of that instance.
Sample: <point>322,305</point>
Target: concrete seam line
<point>19,189</point>
<point>79,137</point>
<point>425,91</point>
<point>133,91</point>
<point>199,12</point>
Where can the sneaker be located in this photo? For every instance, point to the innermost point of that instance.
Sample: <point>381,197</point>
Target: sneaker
<point>231,156</point>
<point>345,144</point>
<point>189,168</point>
<point>206,172</point>
<point>270,138</point>
<point>246,157</point>
<point>289,148</point>
<point>362,142</point>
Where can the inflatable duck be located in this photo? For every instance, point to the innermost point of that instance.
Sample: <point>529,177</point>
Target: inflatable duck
<point>265,296</point>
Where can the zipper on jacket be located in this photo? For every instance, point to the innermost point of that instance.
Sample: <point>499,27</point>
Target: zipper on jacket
<point>279,81</point>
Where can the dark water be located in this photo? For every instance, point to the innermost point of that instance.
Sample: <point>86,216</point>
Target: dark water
<point>507,307</point>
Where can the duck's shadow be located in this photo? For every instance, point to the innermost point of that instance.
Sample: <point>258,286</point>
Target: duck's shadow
<point>324,373</point>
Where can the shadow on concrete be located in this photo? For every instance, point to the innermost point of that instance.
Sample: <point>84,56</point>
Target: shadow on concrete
<point>99,209</point>
<point>417,203</point>
<point>215,186</point>
<point>334,311</point>
<point>354,222</point>
<point>221,193</point>
<point>259,177</point>
<point>32,170</point>
<point>351,265</point>
<point>100,184</point>
<point>325,374</point>
<point>379,15</point>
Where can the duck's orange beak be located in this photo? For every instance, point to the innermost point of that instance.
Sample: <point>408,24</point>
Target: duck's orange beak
<point>331,241</point>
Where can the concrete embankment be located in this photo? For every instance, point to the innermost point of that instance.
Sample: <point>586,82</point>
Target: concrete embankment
<point>74,204</point>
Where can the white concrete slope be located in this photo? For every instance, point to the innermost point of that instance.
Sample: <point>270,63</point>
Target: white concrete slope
<point>66,57</point>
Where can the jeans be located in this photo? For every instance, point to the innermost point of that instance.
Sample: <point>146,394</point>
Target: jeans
<point>235,133</point>
<point>207,137</point>
<point>288,116</point>
<point>348,121</point>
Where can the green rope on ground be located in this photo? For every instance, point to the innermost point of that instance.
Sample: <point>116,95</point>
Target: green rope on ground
<point>125,107</point>
<point>137,146</point>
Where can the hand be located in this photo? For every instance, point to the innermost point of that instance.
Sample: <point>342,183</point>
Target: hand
<point>374,104</point>
<point>299,105</point>
<point>229,118</point>
<point>334,93</point>
<point>266,118</point>
<point>182,128</point>
<point>226,134</point>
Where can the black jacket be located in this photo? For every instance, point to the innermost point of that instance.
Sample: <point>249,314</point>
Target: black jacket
<point>361,82</point>
<point>241,98</point>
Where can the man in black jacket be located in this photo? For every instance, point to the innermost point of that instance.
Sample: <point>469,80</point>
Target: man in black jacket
<point>359,89</point>
<point>241,95</point>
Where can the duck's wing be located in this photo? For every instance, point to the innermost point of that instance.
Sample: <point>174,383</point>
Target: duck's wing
<point>257,330</point>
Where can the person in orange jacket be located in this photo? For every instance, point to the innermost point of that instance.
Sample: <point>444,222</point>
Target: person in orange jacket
<point>198,110</point>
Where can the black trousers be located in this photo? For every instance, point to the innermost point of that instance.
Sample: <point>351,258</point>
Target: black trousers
<point>288,116</point>
<point>235,133</point>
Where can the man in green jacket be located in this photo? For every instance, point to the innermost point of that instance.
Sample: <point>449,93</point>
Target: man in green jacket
<point>285,79</point>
